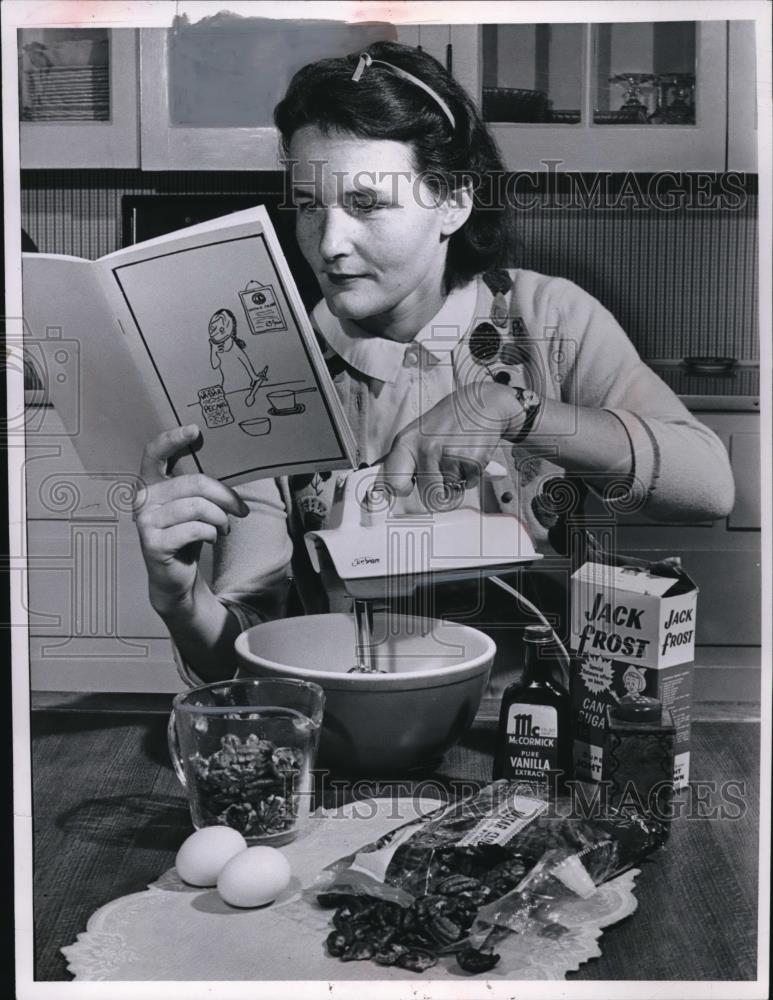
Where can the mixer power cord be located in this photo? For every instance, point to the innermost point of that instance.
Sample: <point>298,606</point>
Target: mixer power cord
<point>524,602</point>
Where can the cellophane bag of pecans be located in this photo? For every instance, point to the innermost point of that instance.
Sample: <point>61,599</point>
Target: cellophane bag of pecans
<point>462,878</point>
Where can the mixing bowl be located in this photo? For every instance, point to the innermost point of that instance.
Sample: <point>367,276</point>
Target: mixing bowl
<point>379,724</point>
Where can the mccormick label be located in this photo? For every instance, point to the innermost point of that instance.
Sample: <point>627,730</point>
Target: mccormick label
<point>532,743</point>
<point>633,635</point>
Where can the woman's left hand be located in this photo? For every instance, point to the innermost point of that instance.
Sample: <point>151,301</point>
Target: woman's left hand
<point>449,446</point>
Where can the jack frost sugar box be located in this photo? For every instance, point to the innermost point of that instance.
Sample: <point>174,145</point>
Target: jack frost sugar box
<point>633,636</point>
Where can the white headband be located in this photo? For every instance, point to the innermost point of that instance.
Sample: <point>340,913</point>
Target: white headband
<point>367,60</point>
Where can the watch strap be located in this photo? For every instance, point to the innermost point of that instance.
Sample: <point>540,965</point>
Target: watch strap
<point>532,404</point>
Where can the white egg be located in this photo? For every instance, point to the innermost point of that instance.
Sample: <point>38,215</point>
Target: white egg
<point>203,854</point>
<point>254,877</point>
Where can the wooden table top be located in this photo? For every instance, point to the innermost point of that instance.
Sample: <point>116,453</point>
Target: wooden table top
<point>109,816</point>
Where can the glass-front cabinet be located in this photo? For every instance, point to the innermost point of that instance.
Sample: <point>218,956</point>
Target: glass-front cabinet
<point>644,74</point>
<point>615,96</point>
<point>618,96</point>
<point>532,73</point>
<point>78,97</point>
<point>208,91</point>
<point>741,97</point>
<point>643,96</point>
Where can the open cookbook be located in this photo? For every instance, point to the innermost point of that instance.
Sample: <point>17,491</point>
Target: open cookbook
<point>204,325</point>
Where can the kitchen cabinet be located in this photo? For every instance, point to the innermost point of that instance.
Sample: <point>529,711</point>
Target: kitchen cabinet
<point>585,129</point>
<point>741,97</point>
<point>744,453</point>
<point>614,97</point>
<point>78,97</point>
<point>160,99</point>
<point>572,95</point>
<point>207,100</point>
<point>91,624</point>
<point>435,39</point>
<point>723,557</point>
<point>187,121</point>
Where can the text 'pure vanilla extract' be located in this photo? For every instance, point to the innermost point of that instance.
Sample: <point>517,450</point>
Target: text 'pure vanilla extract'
<point>534,740</point>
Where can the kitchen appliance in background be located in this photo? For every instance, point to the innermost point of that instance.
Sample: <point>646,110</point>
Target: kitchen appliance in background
<point>144,217</point>
<point>709,383</point>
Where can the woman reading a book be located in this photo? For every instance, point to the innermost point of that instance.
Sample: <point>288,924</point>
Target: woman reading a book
<point>444,357</point>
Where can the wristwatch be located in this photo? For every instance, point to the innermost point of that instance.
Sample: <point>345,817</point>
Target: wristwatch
<point>531,404</point>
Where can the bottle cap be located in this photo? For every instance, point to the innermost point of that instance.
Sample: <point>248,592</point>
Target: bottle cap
<point>637,710</point>
<point>541,634</point>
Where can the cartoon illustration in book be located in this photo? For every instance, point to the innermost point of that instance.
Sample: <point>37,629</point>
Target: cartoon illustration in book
<point>214,406</point>
<point>263,312</point>
<point>237,377</point>
<point>256,427</point>
<point>283,401</point>
<point>227,356</point>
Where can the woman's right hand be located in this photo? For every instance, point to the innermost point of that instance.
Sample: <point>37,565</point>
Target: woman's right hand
<point>175,514</point>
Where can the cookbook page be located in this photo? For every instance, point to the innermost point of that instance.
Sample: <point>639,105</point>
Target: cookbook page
<point>74,336</point>
<point>217,330</point>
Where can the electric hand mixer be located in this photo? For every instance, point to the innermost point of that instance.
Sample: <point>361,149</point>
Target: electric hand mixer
<point>371,553</point>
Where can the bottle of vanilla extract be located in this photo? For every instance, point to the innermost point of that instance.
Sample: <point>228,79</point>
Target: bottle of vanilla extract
<point>534,740</point>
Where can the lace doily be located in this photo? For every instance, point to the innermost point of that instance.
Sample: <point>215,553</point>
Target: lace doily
<point>172,931</point>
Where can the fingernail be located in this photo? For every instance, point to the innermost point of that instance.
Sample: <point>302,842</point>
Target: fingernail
<point>191,430</point>
<point>243,509</point>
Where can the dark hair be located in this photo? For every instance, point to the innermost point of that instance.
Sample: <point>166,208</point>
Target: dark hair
<point>230,315</point>
<point>382,105</point>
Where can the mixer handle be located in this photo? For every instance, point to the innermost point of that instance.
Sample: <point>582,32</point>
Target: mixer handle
<point>367,506</point>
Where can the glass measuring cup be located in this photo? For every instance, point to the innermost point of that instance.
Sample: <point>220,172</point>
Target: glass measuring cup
<point>244,752</point>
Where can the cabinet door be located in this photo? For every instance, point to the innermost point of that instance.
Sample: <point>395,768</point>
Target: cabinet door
<point>78,97</point>
<point>208,93</point>
<point>745,459</point>
<point>86,579</point>
<point>81,572</point>
<point>742,97</point>
<point>723,557</point>
<point>615,97</point>
<point>462,58</point>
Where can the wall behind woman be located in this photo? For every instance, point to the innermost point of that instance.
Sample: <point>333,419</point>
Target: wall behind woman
<point>676,262</point>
